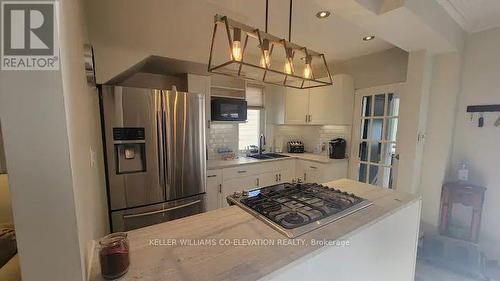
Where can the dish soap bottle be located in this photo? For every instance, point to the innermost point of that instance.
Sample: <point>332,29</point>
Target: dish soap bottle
<point>463,172</point>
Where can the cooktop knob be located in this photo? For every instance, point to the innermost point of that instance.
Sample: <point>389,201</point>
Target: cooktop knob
<point>237,194</point>
<point>245,193</point>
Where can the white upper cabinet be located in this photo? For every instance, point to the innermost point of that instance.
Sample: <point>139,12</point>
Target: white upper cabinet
<point>296,106</point>
<point>331,105</point>
<point>321,101</point>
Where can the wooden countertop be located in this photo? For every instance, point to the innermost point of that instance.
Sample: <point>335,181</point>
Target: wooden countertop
<point>320,158</point>
<point>241,262</point>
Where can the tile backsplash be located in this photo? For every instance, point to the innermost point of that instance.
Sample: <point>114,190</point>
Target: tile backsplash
<point>219,136</point>
<point>310,135</point>
<point>226,136</point>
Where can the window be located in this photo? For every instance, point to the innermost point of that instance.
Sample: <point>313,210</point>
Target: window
<point>250,131</point>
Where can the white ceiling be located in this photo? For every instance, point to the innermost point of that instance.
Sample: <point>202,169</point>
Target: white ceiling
<point>192,25</point>
<point>124,32</point>
<point>334,36</point>
<point>474,15</point>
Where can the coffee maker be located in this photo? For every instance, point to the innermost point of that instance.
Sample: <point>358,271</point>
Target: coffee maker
<point>337,148</point>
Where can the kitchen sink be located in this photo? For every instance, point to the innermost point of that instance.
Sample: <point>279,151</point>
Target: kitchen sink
<point>265,156</point>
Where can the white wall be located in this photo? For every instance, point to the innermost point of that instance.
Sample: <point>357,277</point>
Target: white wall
<point>382,68</point>
<point>84,132</point>
<point>412,120</point>
<point>444,91</point>
<point>50,120</point>
<point>480,146</point>
<point>37,149</point>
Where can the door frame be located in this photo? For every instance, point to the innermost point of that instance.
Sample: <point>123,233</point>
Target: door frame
<point>356,125</point>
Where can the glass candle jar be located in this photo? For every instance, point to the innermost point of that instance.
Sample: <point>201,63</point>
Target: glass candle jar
<point>114,255</point>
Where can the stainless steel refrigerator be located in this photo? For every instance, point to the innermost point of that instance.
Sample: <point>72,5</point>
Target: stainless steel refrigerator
<point>155,155</point>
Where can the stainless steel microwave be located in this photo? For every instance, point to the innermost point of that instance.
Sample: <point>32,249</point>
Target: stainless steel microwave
<point>228,109</point>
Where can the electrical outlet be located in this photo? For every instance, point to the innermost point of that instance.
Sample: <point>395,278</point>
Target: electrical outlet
<point>421,137</point>
<point>92,157</point>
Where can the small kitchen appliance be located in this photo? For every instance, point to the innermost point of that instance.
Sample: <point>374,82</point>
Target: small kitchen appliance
<point>337,148</point>
<point>295,147</point>
<point>297,208</point>
<point>228,109</point>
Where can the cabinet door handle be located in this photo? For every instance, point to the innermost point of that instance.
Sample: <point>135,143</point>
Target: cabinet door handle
<point>313,167</point>
<point>276,177</point>
<point>305,177</point>
<point>220,187</point>
<point>258,182</point>
<point>310,117</point>
<point>306,117</point>
<point>279,177</point>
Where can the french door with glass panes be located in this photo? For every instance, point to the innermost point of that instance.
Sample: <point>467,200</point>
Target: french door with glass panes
<point>374,146</point>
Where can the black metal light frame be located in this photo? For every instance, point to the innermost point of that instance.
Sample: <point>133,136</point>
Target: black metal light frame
<point>288,46</point>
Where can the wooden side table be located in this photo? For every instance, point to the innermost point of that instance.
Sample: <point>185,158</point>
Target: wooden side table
<point>468,195</point>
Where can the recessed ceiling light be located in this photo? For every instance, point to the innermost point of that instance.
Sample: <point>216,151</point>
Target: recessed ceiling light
<point>322,14</point>
<point>368,38</point>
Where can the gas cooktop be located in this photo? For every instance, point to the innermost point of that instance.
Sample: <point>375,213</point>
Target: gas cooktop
<point>296,208</point>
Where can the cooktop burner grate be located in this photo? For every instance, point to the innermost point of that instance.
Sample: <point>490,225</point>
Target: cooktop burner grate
<point>295,205</point>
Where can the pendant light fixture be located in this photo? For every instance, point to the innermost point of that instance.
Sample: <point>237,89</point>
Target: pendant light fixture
<point>236,49</point>
<point>264,57</point>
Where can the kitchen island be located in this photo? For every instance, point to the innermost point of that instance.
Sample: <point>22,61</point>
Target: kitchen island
<point>376,243</point>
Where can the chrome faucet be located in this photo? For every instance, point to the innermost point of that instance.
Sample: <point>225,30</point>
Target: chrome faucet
<point>262,142</point>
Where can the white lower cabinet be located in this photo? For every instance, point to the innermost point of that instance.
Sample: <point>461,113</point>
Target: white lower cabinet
<point>314,172</point>
<point>335,170</point>
<point>268,178</point>
<point>287,171</point>
<point>213,189</point>
<point>236,184</point>
<point>222,183</point>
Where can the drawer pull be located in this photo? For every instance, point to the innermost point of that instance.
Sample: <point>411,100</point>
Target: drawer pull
<point>241,172</point>
<point>211,176</point>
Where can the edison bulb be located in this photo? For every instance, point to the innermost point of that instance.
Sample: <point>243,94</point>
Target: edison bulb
<point>308,71</point>
<point>237,50</point>
<point>265,60</point>
<point>288,67</point>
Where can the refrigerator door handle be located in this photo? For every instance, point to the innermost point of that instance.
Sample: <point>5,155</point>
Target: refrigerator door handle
<point>166,142</point>
<point>161,211</point>
<point>159,138</point>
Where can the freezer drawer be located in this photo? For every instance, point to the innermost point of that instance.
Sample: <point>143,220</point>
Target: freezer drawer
<point>129,219</point>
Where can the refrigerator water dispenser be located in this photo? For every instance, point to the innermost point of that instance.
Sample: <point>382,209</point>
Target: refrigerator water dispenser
<point>130,158</point>
<point>130,150</point>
